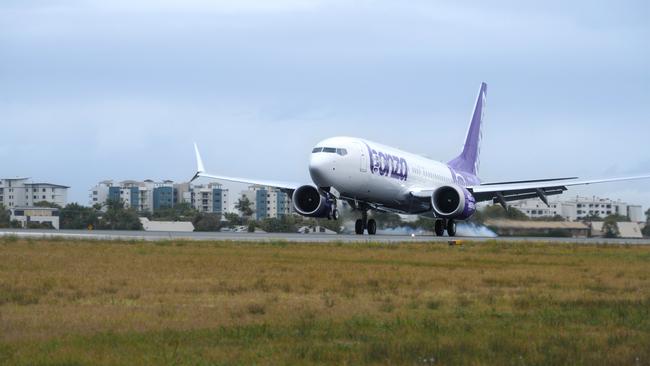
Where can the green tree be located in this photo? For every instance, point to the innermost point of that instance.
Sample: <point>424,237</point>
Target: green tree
<point>5,217</point>
<point>244,207</point>
<point>75,216</point>
<point>39,225</point>
<point>614,217</point>
<point>610,227</point>
<point>180,212</point>
<point>281,224</point>
<point>497,212</point>
<point>233,219</point>
<point>207,222</point>
<point>117,217</point>
<point>46,204</point>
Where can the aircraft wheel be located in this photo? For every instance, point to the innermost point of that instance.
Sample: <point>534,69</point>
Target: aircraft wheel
<point>372,227</point>
<point>335,214</point>
<point>451,228</point>
<point>439,227</point>
<point>358,227</point>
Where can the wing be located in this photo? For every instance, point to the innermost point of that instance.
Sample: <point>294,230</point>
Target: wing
<point>200,172</point>
<point>512,191</point>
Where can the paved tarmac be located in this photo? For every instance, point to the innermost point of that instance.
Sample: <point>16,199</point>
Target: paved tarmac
<point>306,238</point>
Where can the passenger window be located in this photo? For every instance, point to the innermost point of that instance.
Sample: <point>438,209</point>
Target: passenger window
<point>317,149</point>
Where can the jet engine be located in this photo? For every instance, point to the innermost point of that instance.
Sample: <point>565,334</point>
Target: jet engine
<point>453,202</point>
<point>308,201</point>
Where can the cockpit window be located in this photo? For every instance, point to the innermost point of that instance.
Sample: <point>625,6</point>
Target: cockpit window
<point>330,150</point>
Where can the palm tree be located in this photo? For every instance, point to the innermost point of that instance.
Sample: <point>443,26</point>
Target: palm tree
<point>244,207</point>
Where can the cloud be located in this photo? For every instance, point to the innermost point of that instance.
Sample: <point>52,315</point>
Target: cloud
<point>120,89</point>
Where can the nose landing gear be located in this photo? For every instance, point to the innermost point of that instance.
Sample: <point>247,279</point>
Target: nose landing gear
<point>334,212</point>
<point>334,215</point>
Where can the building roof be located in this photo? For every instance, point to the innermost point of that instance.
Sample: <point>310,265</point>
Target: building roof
<point>46,184</point>
<point>538,225</point>
<point>34,208</point>
<point>15,178</point>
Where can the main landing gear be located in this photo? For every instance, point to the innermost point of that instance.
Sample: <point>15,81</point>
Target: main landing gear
<point>364,224</point>
<point>442,224</point>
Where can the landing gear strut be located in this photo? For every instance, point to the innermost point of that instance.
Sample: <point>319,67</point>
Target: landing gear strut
<point>363,224</point>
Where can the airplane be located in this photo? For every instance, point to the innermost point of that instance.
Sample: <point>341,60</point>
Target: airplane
<point>371,176</point>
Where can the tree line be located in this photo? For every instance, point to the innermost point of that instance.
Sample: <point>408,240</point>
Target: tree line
<point>114,215</point>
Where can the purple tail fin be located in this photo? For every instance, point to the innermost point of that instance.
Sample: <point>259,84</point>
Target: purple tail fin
<point>468,160</point>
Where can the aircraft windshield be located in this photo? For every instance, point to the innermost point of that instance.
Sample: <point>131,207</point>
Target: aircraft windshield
<point>330,150</point>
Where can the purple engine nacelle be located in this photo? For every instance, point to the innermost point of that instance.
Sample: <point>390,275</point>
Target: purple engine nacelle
<point>453,202</point>
<point>308,201</point>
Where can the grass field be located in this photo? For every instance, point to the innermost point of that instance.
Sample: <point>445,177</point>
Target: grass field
<point>185,303</point>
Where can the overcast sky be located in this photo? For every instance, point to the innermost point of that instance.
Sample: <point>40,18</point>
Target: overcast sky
<point>93,90</point>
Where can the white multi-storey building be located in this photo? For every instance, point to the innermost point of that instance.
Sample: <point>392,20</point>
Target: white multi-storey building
<point>578,208</point>
<point>635,213</point>
<point>149,196</point>
<point>209,198</point>
<point>183,193</point>
<point>268,202</point>
<point>145,196</point>
<point>19,192</point>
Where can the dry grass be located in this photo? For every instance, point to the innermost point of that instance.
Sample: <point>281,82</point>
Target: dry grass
<point>75,302</point>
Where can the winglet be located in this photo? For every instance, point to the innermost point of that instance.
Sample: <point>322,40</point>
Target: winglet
<point>199,163</point>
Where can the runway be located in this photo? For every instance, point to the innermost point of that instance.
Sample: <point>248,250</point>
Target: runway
<point>290,237</point>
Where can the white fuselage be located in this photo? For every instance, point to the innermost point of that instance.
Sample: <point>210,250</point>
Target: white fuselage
<point>371,172</point>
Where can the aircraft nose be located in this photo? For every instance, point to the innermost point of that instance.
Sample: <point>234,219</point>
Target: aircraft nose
<point>320,167</point>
